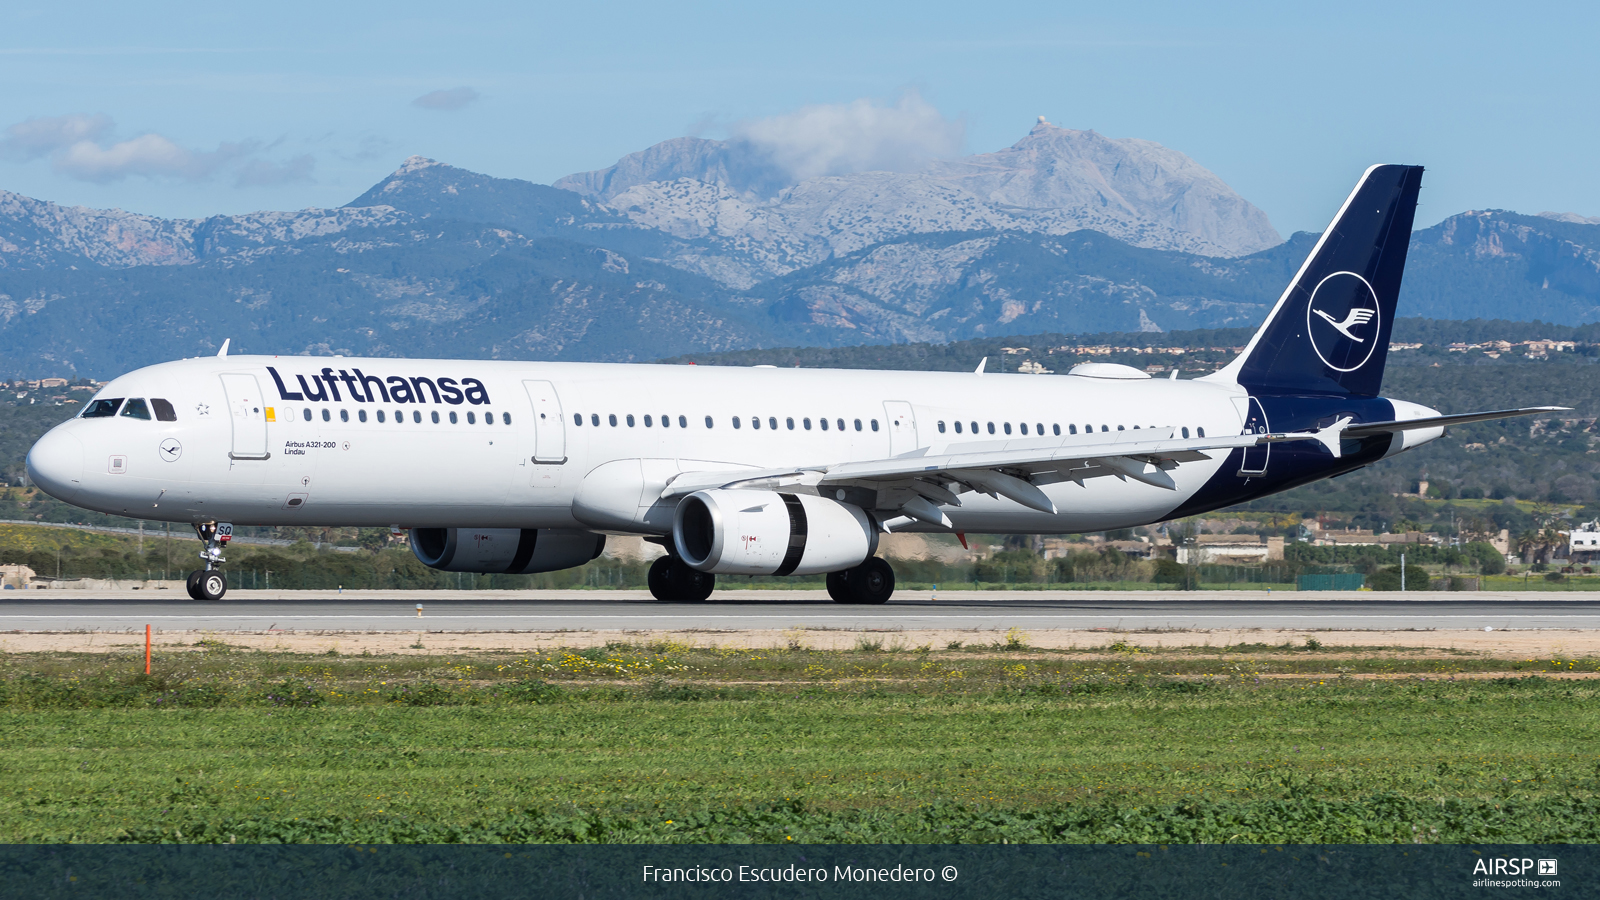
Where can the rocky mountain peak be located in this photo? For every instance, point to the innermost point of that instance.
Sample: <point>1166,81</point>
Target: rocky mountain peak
<point>1054,180</point>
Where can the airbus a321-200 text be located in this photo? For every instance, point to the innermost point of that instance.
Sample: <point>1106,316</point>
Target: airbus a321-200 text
<point>523,467</point>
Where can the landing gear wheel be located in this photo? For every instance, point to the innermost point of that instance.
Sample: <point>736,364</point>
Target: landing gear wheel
<point>839,587</point>
<point>192,584</point>
<point>872,583</point>
<point>211,585</point>
<point>672,581</point>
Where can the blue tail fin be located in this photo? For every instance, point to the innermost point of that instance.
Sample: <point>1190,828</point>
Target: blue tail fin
<point>1329,333</point>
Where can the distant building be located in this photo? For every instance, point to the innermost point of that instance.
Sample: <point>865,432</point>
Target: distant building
<point>1585,539</point>
<point>1229,548</point>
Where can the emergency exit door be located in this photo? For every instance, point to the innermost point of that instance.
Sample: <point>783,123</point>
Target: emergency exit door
<point>902,427</point>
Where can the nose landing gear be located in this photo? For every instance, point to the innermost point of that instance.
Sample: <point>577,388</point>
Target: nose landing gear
<point>209,583</point>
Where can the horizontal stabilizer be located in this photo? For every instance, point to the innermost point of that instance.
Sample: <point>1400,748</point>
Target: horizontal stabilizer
<point>1366,428</point>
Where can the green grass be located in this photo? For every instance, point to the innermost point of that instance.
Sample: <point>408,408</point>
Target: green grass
<point>675,744</point>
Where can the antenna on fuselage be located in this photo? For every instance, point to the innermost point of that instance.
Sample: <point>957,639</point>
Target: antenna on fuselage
<point>225,343</point>
<point>981,363</point>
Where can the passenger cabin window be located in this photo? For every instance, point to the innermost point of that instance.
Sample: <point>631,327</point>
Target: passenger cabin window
<point>858,424</point>
<point>772,423</point>
<point>101,409</point>
<point>416,416</point>
<point>164,410</point>
<point>435,417</point>
<point>306,414</point>
<point>755,423</point>
<point>1007,427</point>
<point>647,422</point>
<point>136,409</point>
<point>735,422</point>
<point>1200,431</point>
<point>1186,431</point>
<point>328,417</point>
<point>380,416</point>
<point>1057,428</point>
<point>629,418</point>
<point>823,423</point>
<point>454,420</point>
<point>807,423</point>
<point>505,418</point>
<point>612,418</point>
<point>941,426</point>
<point>344,415</point>
<point>594,419</point>
<point>683,421</point>
<point>361,414</point>
<point>1071,429</point>
<point>708,421</point>
<point>789,422</point>
<point>958,428</point>
<point>840,423</point>
<point>874,424</point>
<point>1024,428</point>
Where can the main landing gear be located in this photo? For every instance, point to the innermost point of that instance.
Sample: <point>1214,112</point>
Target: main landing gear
<point>872,582</point>
<point>209,583</point>
<point>672,581</point>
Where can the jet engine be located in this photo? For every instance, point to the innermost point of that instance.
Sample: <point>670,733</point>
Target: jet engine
<point>734,532</point>
<point>509,551</point>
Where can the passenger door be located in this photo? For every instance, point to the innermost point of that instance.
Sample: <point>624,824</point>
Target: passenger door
<point>247,411</point>
<point>1255,458</point>
<point>549,435</point>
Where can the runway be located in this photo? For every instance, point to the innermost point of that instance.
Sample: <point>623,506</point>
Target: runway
<point>557,611</point>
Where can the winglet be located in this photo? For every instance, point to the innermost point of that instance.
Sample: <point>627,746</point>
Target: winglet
<point>225,343</point>
<point>981,363</point>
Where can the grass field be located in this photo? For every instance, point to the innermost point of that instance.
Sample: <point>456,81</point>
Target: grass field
<point>883,743</point>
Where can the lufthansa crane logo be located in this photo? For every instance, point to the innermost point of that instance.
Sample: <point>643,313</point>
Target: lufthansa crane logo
<point>1344,321</point>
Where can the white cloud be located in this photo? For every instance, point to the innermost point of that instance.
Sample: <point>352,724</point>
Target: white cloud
<point>862,136</point>
<point>150,155</point>
<point>263,173</point>
<point>447,100</point>
<point>40,137</point>
<point>80,146</point>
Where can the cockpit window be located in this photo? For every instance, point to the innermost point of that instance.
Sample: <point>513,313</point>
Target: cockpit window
<point>102,408</point>
<point>164,410</point>
<point>136,409</point>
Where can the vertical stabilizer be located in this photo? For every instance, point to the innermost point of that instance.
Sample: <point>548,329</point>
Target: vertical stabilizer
<point>1329,332</point>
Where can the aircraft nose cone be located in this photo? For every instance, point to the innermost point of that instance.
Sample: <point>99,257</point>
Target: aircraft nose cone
<point>56,464</point>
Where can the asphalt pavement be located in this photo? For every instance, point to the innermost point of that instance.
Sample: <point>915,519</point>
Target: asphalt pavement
<point>64,611</point>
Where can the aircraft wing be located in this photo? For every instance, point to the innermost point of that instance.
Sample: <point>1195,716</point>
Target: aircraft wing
<point>917,484</point>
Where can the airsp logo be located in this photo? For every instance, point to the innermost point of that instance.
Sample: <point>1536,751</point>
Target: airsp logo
<point>1343,321</point>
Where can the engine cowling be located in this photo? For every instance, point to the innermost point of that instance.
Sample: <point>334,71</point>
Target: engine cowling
<point>508,551</point>
<point>733,532</point>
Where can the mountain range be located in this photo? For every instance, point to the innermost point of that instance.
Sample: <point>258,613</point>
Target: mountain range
<point>696,246</point>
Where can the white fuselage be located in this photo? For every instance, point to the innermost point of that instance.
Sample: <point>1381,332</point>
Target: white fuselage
<point>238,451</point>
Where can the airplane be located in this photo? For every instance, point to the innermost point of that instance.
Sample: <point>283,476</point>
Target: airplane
<point>525,467</point>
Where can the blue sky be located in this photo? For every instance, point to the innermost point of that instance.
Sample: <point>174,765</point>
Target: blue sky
<point>188,109</point>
